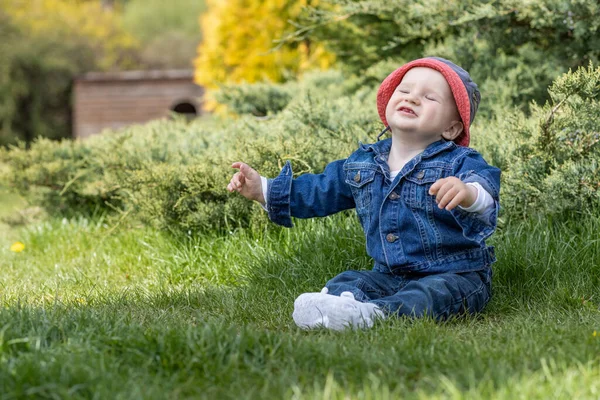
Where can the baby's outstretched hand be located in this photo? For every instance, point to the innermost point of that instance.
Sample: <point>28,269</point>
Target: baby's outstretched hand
<point>450,192</point>
<point>246,182</point>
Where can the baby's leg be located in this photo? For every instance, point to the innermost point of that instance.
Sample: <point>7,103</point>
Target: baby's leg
<point>440,296</point>
<point>365,285</point>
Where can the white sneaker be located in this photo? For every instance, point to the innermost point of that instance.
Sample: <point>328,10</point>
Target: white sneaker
<point>316,310</point>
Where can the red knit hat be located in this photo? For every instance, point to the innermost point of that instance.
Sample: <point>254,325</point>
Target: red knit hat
<point>465,92</point>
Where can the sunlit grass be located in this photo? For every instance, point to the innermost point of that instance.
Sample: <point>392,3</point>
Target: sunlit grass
<point>89,310</point>
<point>9,204</point>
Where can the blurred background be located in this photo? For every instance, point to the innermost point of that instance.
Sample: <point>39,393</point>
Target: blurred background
<point>49,46</point>
<point>264,81</point>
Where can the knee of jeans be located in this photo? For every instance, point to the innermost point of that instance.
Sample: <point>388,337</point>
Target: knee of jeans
<point>348,281</point>
<point>353,278</point>
<point>475,301</point>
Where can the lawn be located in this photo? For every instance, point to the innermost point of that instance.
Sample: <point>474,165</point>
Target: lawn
<point>93,310</point>
<point>9,204</point>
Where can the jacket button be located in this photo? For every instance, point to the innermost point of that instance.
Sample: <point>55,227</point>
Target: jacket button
<point>391,237</point>
<point>393,196</point>
<point>420,174</point>
<point>357,177</point>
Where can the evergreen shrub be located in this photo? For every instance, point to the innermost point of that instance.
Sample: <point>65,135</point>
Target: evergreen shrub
<point>172,174</point>
<point>262,99</point>
<point>258,99</point>
<point>550,158</point>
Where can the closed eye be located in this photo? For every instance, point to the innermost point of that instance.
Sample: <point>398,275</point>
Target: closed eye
<point>431,98</point>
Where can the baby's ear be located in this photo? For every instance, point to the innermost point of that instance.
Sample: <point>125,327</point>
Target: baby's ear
<point>453,131</point>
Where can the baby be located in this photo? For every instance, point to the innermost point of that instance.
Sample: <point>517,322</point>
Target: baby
<point>425,200</point>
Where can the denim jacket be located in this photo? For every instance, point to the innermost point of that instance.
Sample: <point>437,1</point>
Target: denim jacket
<point>405,230</point>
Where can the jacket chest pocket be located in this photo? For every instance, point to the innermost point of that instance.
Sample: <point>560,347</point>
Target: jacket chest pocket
<point>360,182</point>
<point>415,191</point>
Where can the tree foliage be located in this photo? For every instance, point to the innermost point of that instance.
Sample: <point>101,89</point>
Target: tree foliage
<point>168,31</point>
<point>514,49</point>
<point>81,20</point>
<point>44,44</point>
<point>240,43</point>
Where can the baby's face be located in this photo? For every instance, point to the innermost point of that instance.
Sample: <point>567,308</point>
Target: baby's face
<point>422,105</point>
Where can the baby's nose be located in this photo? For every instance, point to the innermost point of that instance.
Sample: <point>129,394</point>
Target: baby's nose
<point>410,97</point>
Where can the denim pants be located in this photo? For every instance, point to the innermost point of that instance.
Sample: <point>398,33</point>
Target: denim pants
<point>439,295</point>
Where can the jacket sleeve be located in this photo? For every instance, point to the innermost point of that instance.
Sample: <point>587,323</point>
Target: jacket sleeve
<point>309,195</point>
<point>473,168</point>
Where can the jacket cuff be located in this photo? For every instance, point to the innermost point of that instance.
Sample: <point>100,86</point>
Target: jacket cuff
<point>478,226</point>
<point>278,204</point>
<point>475,226</point>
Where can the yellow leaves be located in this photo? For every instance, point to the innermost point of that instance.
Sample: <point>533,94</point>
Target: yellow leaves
<point>17,247</point>
<point>241,43</point>
<point>74,20</point>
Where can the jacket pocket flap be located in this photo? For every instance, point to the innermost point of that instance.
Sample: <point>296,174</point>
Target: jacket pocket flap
<point>359,177</point>
<point>423,176</point>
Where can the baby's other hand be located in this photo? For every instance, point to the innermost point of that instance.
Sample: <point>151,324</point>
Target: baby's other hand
<point>246,182</point>
<point>450,192</point>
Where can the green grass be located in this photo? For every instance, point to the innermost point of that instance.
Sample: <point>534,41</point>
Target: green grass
<point>93,311</point>
<point>9,204</point>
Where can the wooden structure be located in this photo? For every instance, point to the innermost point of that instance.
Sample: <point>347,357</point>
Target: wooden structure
<point>114,100</point>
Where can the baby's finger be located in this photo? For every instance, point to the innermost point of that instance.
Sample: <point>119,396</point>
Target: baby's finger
<point>456,201</point>
<point>442,191</point>
<point>238,180</point>
<point>245,169</point>
<point>448,196</point>
<point>436,186</point>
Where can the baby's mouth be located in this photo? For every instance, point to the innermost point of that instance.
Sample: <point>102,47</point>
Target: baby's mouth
<point>407,110</point>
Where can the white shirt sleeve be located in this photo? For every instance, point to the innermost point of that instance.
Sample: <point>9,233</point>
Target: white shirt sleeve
<point>264,183</point>
<point>484,200</point>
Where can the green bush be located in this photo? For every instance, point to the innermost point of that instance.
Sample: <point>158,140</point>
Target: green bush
<point>43,53</point>
<point>173,174</point>
<point>262,99</point>
<point>550,160</point>
<point>519,46</point>
<point>258,99</point>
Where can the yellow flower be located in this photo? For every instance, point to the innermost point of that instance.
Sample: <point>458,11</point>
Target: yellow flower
<point>595,334</point>
<point>17,247</point>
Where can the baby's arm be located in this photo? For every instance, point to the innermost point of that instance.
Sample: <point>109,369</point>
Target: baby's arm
<point>309,195</point>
